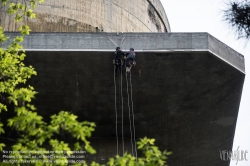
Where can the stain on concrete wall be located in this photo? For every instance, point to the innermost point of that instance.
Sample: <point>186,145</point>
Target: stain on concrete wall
<point>154,18</point>
<point>94,16</point>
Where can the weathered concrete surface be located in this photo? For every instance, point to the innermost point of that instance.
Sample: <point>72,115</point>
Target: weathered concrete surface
<point>94,16</point>
<point>186,89</point>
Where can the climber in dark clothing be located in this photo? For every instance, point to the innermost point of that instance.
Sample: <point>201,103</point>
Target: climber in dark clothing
<point>130,60</point>
<point>119,60</point>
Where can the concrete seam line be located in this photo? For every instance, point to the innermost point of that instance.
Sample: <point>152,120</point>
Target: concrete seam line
<point>112,50</point>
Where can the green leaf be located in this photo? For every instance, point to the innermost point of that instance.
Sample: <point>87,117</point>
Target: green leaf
<point>1,128</point>
<point>1,146</point>
<point>3,107</point>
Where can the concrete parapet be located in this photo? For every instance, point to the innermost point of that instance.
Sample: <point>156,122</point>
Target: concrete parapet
<point>141,42</point>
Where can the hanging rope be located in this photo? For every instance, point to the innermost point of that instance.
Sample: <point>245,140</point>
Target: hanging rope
<point>131,111</point>
<point>116,132</point>
<point>131,134</point>
<point>122,114</point>
<point>133,114</point>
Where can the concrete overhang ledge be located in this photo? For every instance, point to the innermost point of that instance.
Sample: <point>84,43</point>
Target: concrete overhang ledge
<point>141,42</point>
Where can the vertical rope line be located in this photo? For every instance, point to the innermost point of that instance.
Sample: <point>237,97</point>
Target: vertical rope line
<point>116,131</point>
<point>132,104</point>
<point>122,114</point>
<point>131,134</point>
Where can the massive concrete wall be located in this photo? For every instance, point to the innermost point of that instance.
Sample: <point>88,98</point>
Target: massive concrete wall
<point>95,16</point>
<point>186,90</point>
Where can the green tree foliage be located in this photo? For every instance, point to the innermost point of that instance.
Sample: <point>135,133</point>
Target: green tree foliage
<point>238,16</point>
<point>152,156</point>
<point>34,134</point>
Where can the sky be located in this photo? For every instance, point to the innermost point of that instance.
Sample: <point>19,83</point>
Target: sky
<point>207,16</point>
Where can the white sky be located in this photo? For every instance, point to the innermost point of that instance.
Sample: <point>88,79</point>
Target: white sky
<point>206,16</point>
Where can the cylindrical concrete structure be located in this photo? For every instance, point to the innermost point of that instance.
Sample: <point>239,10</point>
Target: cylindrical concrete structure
<point>94,16</point>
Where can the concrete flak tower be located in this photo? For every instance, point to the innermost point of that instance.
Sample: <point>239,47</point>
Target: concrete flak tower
<point>184,91</point>
<point>94,16</point>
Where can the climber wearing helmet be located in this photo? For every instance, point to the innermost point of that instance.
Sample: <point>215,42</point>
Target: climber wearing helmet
<point>119,60</point>
<point>130,60</point>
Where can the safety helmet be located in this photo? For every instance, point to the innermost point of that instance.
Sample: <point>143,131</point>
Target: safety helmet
<point>131,49</point>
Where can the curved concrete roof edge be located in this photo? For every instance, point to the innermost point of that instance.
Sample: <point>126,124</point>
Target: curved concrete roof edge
<point>163,16</point>
<point>144,42</point>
